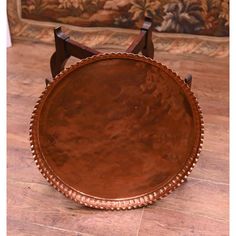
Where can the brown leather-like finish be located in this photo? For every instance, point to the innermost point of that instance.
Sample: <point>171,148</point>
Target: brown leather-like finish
<point>116,131</point>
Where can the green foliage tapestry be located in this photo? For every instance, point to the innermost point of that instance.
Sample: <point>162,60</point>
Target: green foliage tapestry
<point>206,17</point>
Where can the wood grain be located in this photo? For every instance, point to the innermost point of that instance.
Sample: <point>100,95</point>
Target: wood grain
<point>199,207</point>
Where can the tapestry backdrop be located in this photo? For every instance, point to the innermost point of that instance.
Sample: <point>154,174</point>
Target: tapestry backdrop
<point>206,17</point>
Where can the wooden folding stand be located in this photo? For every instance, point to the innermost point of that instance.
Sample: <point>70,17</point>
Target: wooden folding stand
<point>66,47</point>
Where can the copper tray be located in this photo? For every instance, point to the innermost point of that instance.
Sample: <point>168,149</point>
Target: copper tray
<point>116,131</point>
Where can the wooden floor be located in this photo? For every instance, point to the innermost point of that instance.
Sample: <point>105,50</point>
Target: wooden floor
<point>199,207</point>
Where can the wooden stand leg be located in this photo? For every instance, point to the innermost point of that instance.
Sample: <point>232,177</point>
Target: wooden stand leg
<point>143,42</point>
<point>65,47</point>
<point>148,50</point>
<point>188,80</point>
<point>60,56</point>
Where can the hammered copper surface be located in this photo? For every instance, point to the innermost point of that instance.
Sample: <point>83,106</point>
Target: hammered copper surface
<point>117,127</point>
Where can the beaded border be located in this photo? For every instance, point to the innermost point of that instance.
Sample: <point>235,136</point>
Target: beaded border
<point>126,203</point>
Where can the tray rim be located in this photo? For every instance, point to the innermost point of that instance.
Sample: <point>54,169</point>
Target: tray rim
<point>121,203</point>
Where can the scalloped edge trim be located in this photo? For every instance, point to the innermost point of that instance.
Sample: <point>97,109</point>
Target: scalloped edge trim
<point>116,204</point>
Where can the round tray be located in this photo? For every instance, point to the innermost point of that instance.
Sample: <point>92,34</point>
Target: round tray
<point>116,131</point>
